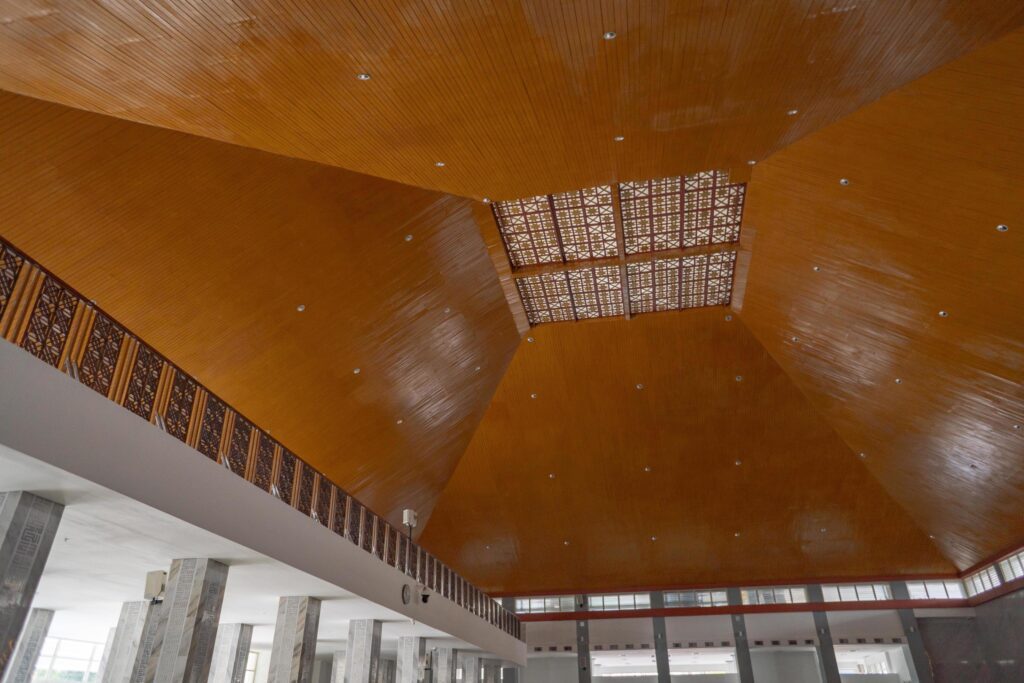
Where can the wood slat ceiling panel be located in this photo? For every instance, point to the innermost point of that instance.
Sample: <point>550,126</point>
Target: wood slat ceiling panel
<point>205,250</point>
<point>516,98</point>
<point>915,284</point>
<point>503,521</point>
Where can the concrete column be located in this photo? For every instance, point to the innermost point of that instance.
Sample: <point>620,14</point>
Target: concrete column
<point>28,524</point>
<point>826,649</point>
<point>411,651</point>
<point>230,653</point>
<point>739,634</point>
<point>446,665</point>
<point>291,658</point>
<point>582,642</point>
<point>187,622</point>
<point>492,671</point>
<point>386,671</point>
<point>510,674</point>
<point>105,659</point>
<point>153,624</point>
<point>338,667</point>
<point>660,639</point>
<point>915,643</point>
<point>363,654</point>
<point>127,640</point>
<point>470,667</point>
<point>26,653</point>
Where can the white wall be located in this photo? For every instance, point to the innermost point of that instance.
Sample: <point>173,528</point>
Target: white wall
<point>550,670</point>
<point>635,632</point>
<point>864,624</point>
<point>712,628</point>
<point>781,626</point>
<point>785,666</point>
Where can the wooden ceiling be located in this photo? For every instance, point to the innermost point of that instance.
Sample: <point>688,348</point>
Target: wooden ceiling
<point>206,250</point>
<point>915,284</point>
<point>516,98</point>
<point>504,521</point>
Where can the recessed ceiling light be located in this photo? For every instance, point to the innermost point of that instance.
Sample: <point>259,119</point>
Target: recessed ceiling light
<point>609,35</point>
<point>487,200</point>
<point>1002,227</point>
<point>619,138</point>
<point>739,378</point>
<point>356,371</point>
<point>447,310</point>
<point>816,269</point>
<point>529,340</point>
<point>823,530</point>
<point>408,238</point>
<point>728,318</point>
<point>533,395</point>
<point>737,534</point>
<point>943,314</point>
<point>639,386</point>
<point>565,542</point>
<point>1016,427</point>
<point>647,468</point>
<point>476,369</point>
<point>751,162</point>
<point>551,475</point>
<point>792,112</point>
<point>794,339</point>
<point>439,164</point>
<point>931,536</point>
<point>738,463</point>
<point>399,421</point>
<point>844,181</point>
<point>863,456</point>
<point>487,547</point>
<point>300,308</point>
<point>898,380</point>
<point>654,538</point>
<point>363,76</point>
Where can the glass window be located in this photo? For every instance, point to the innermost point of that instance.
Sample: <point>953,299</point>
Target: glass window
<point>250,666</point>
<point>1013,566</point>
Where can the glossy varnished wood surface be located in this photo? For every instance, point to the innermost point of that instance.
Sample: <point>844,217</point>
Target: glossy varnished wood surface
<point>206,249</point>
<point>503,521</point>
<point>516,97</point>
<point>933,169</point>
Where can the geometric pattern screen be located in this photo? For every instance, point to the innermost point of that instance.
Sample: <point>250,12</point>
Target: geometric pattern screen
<point>596,255</point>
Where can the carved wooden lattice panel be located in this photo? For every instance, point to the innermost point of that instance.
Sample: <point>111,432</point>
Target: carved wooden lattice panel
<point>323,500</point>
<point>355,520</point>
<point>179,408</point>
<point>712,209</point>
<point>596,292</point>
<point>238,446</point>
<point>402,553</point>
<point>101,352</point>
<point>392,546</point>
<point>50,322</point>
<point>142,386</point>
<point>412,562</point>
<point>338,516</point>
<point>652,214</point>
<point>263,470</point>
<point>10,266</point>
<point>586,223</point>
<point>307,479</point>
<point>212,428</point>
<point>380,539</point>
<point>546,298</point>
<point>528,228</point>
<point>286,476</point>
<point>675,284</point>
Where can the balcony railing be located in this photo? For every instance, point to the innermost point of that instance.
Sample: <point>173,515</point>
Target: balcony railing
<point>60,327</point>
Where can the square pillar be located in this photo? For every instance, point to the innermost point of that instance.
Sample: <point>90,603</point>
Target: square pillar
<point>187,622</point>
<point>744,665</point>
<point>411,652</point>
<point>492,671</point>
<point>26,653</point>
<point>826,649</point>
<point>510,674</point>
<point>105,659</point>
<point>126,643</point>
<point>660,639</point>
<point>582,642</point>
<point>230,653</point>
<point>28,524</point>
<point>470,668</point>
<point>338,666</point>
<point>915,643</point>
<point>386,671</point>
<point>363,655</point>
<point>291,659</point>
<point>446,665</point>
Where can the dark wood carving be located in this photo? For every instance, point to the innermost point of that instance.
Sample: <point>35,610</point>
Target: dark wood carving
<point>212,427</point>
<point>50,322</point>
<point>238,447</point>
<point>286,476</point>
<point>307,479</point>
<point>179,408</point>
<point>366,536</point>
<point>10,266</point>
<point>100,359</point>
<point>263,471</point>
<point>323,500</point>
<point>143,383</point>
<point>338,517</point>
<point>355,520</point>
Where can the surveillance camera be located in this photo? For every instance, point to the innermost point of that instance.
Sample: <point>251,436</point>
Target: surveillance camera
<point>425,597</point>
